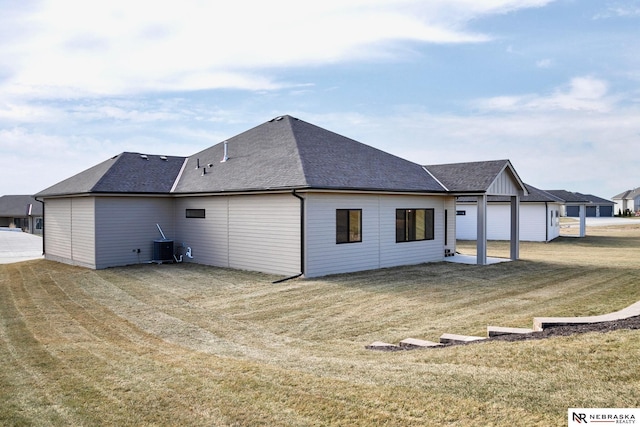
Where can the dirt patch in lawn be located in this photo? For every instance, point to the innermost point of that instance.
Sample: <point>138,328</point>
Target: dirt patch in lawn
<point>563,331</point>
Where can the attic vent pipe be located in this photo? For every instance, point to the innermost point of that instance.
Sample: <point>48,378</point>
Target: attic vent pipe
<point>197,163</point>
<point>225,156</point>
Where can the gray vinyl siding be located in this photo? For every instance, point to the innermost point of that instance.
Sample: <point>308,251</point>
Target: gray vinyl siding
<point>127,224</point>
<point>407,253</point>
<point>83,231</point>
<point>264,233</point>
<point>57,243</point>
<point>249,232</point>
<point>69,231</point>
<point>324,255</point>
<point>207,237</point>
<point>450,207</point>
<point>378,248</point>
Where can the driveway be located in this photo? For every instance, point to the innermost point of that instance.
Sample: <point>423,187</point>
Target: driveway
<point>17,246</point>
<point>602,221</point>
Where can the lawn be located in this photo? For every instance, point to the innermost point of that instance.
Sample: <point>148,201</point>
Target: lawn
<point>187,345</point>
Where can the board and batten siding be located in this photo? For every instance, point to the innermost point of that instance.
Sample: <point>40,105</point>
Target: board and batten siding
<point>536,224</point>
<point>70,231</point>
<point>378,248</point>
<point>247,232</point>
<point>126,224</point>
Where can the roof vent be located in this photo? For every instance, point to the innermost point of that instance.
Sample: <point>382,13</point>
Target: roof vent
<point>204,171</point>
<point>163,158</point>
<point>225,156</point>
<point>197,163</point>
<point>144,156</point>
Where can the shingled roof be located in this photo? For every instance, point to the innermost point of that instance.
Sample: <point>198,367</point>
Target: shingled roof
<point>19,205</point>
<point>629,194</point>
<point>124,173</point>
<point>535,196</point>
<point>570,197</point>
<point>282,154</point>
<point>287,153</point>
<point>470,176</point>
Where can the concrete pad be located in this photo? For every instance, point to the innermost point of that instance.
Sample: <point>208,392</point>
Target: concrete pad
<point>494,331</point>
<point>379,345</point>
<point>540,323</point>
<point>19,246</point>
<point>414,342</point>
<point>472,259</point>
<point>454,338</point>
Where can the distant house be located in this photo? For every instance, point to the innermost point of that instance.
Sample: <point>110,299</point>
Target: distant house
<point>21,211</point>
<point>594,206</point>
<point>286,197</point>
<point>539,217</point>
<point>627,201</point>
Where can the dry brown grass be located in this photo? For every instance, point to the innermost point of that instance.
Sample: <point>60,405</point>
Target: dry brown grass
<point>194,345</point>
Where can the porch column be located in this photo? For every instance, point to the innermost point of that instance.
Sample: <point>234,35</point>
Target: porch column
<point>515,227</point>
<point>481,239</point>
<point>583,220</point>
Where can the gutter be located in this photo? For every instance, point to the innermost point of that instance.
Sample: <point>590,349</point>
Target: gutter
<point>302,231</point>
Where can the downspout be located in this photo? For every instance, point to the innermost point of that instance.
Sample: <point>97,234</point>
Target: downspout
<point>546,225</point>
<point>43,233</point>
<point>296,195</point>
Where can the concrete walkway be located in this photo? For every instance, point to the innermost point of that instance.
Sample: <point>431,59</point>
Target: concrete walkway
<point>16,246</point>
<point>540,323</point>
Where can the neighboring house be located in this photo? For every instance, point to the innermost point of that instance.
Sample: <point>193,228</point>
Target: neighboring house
<point>539,217</point>
<point>593,206</point>
<point>21,211</point>
<point>627,202</point>
<point>286,197</point>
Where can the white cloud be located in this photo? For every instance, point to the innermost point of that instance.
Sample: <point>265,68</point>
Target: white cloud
<point>544,63</point>
<point>620,10</point>
<point>583,93</point>
<point>74,48</point>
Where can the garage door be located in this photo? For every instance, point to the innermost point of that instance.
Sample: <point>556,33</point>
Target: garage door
<point>591,211</point>
<point>606,210</point>
<point>573,210</point>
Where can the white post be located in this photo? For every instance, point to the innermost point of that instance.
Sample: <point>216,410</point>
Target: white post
<point>515,227</point>
<point>481,239</point>
<point>583,220</point>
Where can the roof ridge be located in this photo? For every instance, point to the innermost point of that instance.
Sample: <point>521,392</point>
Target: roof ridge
<point>117,158</point>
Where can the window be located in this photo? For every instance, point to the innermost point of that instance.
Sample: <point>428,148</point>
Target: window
<point>414,224</point>
<point>195,213</point>
<point>348,225</point>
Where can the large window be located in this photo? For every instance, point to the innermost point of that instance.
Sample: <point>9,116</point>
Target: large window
<point>414,224</point>
<point>348,225</point>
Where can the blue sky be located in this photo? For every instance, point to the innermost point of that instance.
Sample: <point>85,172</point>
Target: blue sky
<point>554,86</point>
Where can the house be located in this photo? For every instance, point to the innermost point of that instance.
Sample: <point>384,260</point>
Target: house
<point>627,202</point>
<point>286,197</point>
<point>594,206</point>
<point>539,217</point>
<point>22,212</point>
